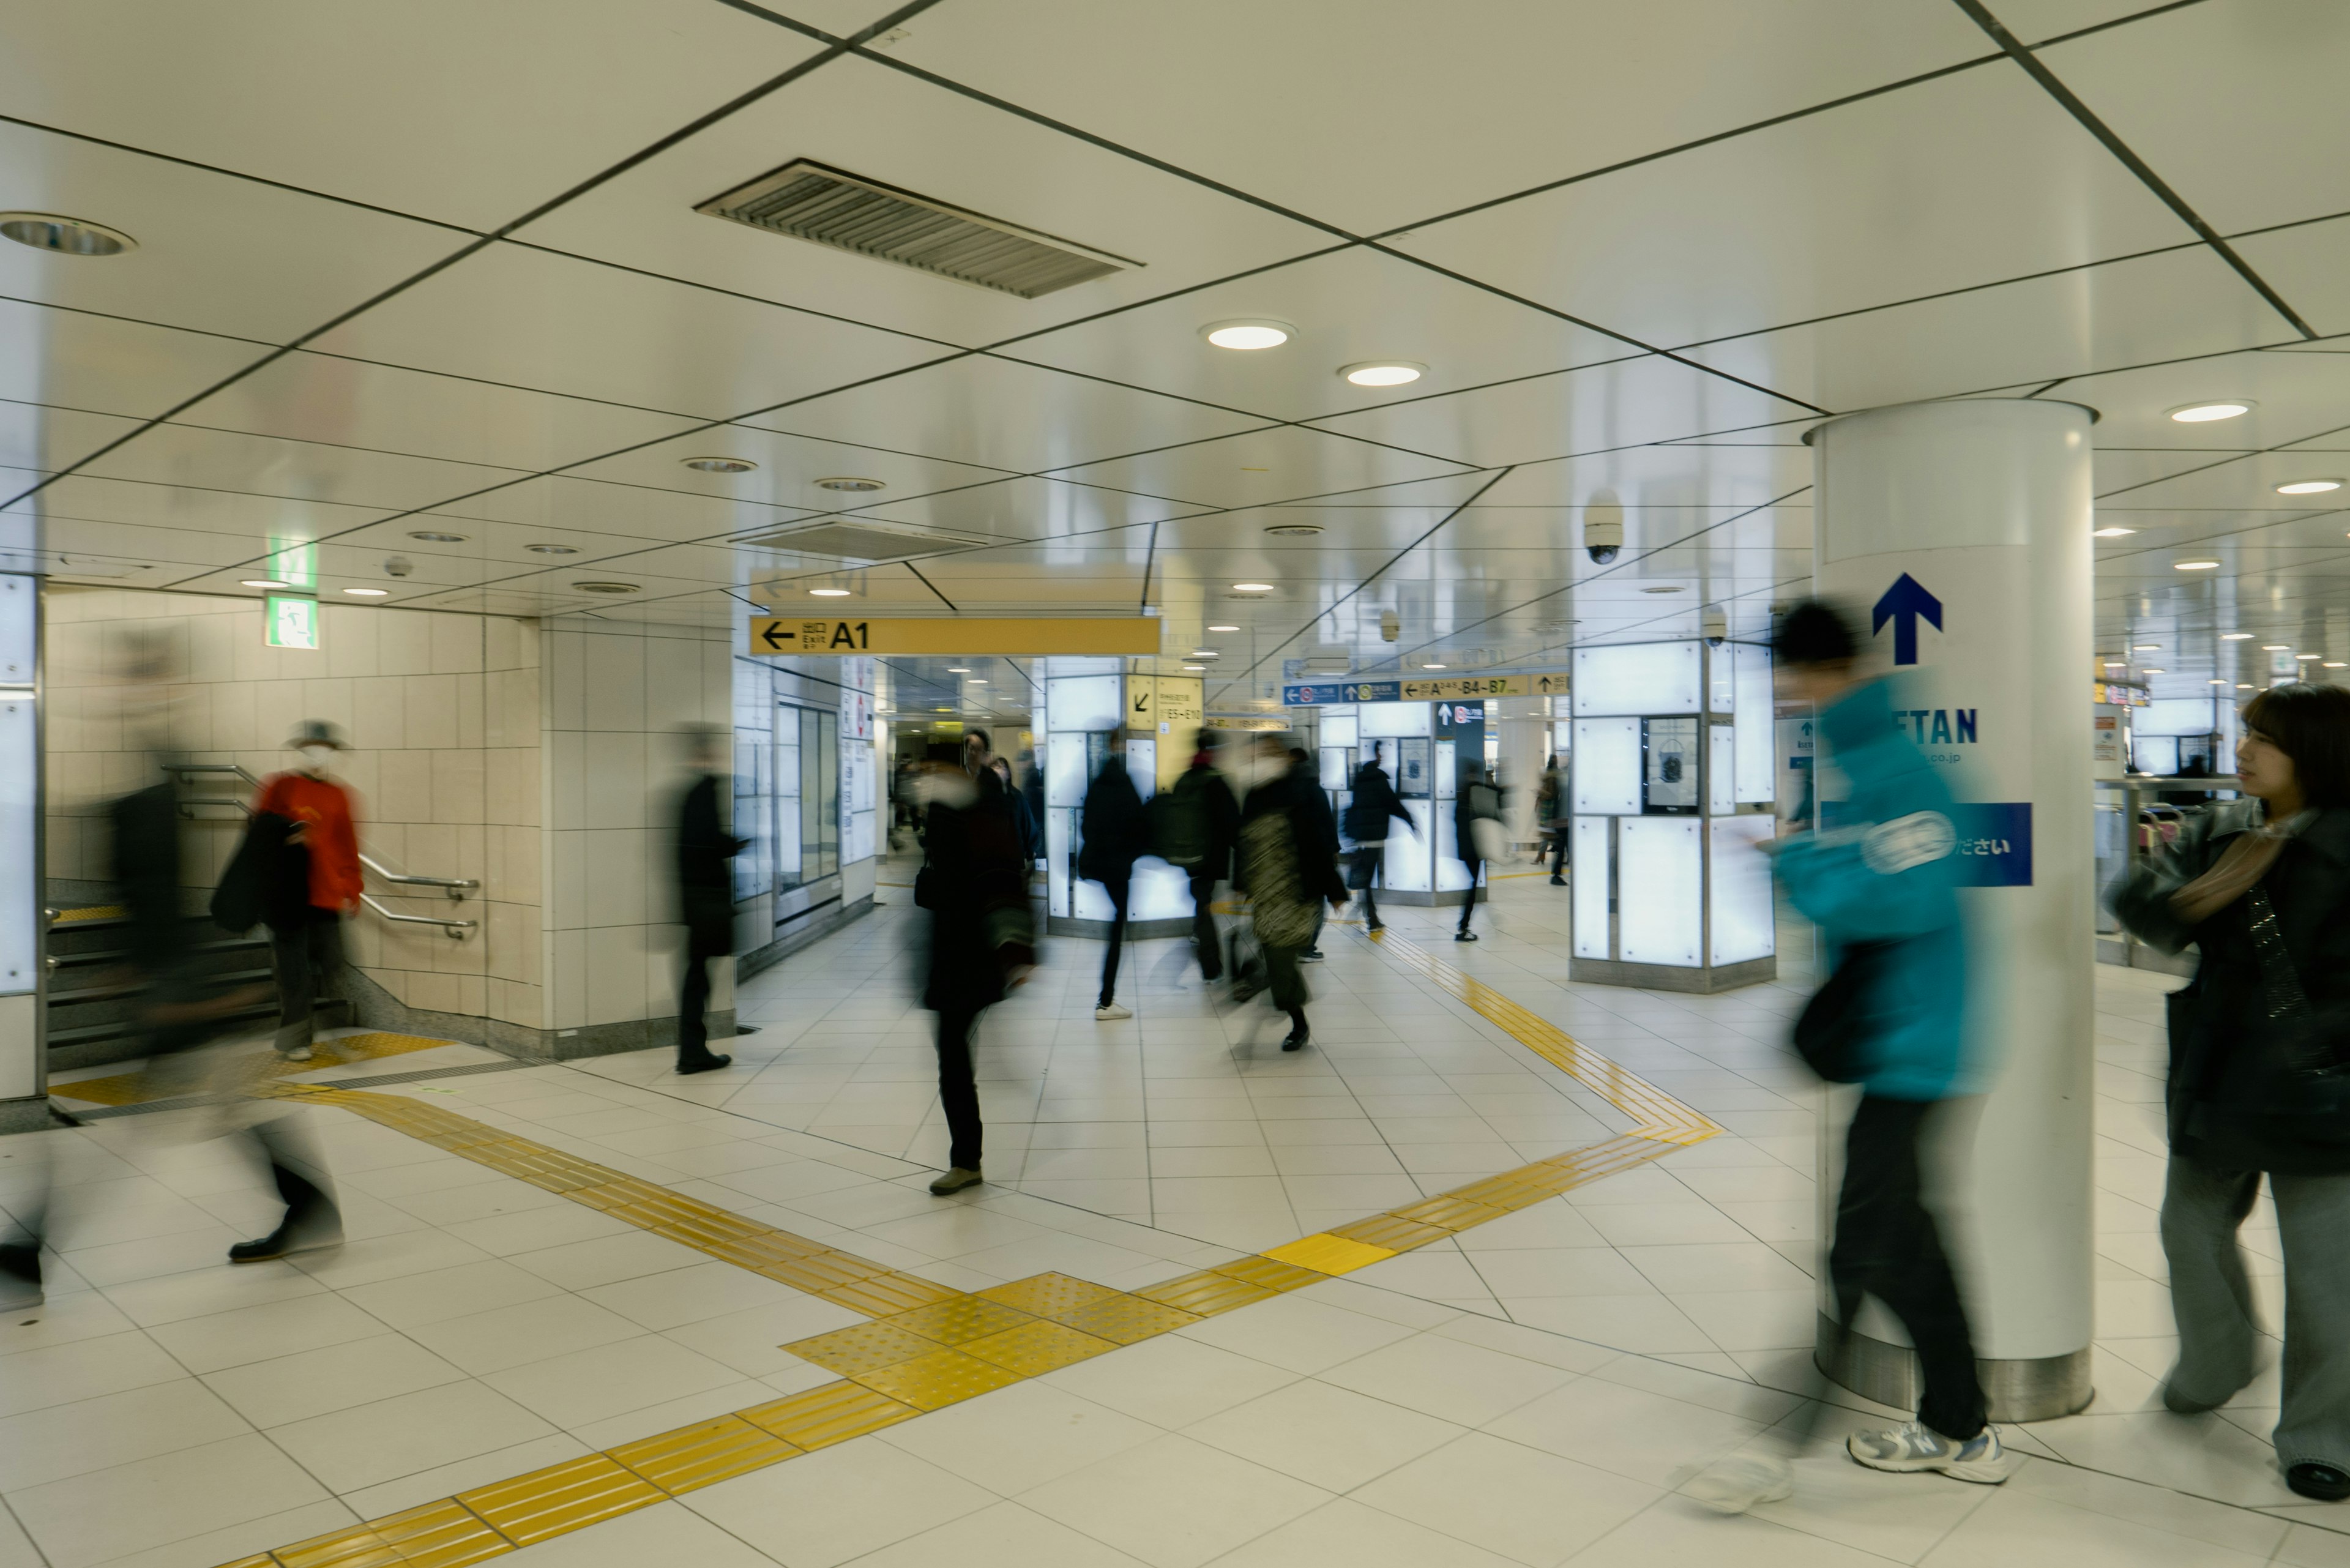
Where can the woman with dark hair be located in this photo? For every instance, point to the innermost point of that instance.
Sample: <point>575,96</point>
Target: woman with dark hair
<point>2259,1072</point>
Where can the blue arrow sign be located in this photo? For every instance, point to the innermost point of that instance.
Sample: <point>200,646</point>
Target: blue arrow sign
<point>1903,603</point>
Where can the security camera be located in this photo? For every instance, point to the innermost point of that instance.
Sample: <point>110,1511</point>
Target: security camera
<point>1602,527</point>
<point>1717,625</point>
<point>398,566</point>
<point>1390,626</point>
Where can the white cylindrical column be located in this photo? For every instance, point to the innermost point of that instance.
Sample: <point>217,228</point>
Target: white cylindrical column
<point>1958,533</point>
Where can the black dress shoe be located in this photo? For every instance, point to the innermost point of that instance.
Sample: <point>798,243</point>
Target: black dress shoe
<point>1295,1040</point>
<point>2323,1482</point>
<point>2178,1404</point>
<point>709,1063</point>
<point>1375,926</point>
<point>1464,936</point>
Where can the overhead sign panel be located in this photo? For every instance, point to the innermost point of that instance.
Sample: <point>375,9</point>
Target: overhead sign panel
<point>1545,683</point>
<point>1136,636</point>
<point>1314,693</point>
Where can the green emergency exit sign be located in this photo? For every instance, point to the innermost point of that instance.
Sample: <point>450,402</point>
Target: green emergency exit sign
<point>290,621</point>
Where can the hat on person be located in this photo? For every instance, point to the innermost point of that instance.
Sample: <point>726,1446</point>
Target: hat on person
<point>317,733</point>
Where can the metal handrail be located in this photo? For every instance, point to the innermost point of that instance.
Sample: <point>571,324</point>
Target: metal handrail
<point>458,886</point>
<point>453,929</point>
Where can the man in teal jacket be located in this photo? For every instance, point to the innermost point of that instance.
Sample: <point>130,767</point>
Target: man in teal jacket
<point>1880,871</point>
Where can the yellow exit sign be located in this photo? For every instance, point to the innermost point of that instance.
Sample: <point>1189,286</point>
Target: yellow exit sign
<point>1134,635</point>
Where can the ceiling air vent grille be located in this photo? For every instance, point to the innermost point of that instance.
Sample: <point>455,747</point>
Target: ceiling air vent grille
<point>810,201</point>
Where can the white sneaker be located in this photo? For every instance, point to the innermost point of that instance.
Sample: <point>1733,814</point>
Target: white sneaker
<point>1917,1446</point>
<point>1741,1481</point>
<point>1110,1012</point>
<point>299,1054</point>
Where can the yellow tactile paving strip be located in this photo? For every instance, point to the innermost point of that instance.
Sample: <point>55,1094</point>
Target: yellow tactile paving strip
<point>95,912</point>
<point>927,1346</point>
<point>131,1088</point>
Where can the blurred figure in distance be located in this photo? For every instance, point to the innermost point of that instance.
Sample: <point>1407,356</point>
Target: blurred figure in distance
<point>1374,805</point>
<point>1194,823</point>
<point>1114,836</point>
<point>306,937</point>
<point>705,895</point>
<point>1287,864</point>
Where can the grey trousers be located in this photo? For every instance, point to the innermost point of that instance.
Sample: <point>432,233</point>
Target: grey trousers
<point>2212,1301</point>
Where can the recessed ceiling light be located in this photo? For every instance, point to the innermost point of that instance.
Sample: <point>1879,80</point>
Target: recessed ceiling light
<point>1662,588</point>
<point>2194,566</point>
<point>2306,658</point>
<point>958,669</point>
<point>261,583</point>
<point>851,484</point>
<point>2235,636</point>
<point>550,549</point>
<point>369,593</point>
<point>2334,664</point>
<point>2218,683</point>
<point>1223,628</point>
<point>2150,669</point>
<point>976,680</point>
<point>607,587</point>
<point>2110,533</point>
<point>1432,666</point>
<point>2204,413</point>
<point>2117,664</point>
<point>2274,646</point>
<point>2145,648</point>
<point>1252,587</point>
<point>2308,486</point>
<point>1295,530</point>
<point>1256,333</point>
<point>1194,669</point>
<point>64,236</point>
<point>1383,372</point>
<point>2243,686</point>
<point>830,592</point>
<point>719,464</point>
<point>1205,653</point>
<point>431,537</point>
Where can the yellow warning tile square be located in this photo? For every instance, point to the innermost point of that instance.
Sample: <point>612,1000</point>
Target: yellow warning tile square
<point>833,1413</point>
<point>1036,1347</point>
<point>705,1452</point>
<point>1048,1295</point>
<point>861,1347</point>
<point>1328,1255</point>
<point>561,1498</point>
<point>941,1378</point>
<point>953,1322</point>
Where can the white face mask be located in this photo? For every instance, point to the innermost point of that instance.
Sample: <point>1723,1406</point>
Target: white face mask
<point>315,758</point>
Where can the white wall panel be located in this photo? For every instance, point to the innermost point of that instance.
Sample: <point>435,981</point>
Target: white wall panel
<point>1659,878</point>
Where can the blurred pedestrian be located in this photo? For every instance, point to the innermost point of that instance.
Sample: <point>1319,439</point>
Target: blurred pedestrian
<point>320,854</point>
<point>983,932</point>
<point>2260,1071</point>
<point>1883,890</point>
<point>1301,764</point>
<point>706,896</point>
<point>1030,827</point>
<point>1374,805</point>
<point>1552,818</point>
<point>1287,864</point>
<point>1192,827</point>
<point>1476,832</point>
<point>1114,836</point>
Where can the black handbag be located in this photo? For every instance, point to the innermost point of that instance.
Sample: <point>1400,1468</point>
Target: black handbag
<point>2307,1067</point>
<point>1833,1028</point>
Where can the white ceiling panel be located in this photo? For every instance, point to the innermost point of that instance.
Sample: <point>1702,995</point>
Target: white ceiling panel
<point>524,318</point>
<point>1029,508</point>
<point>234,515</point>
<point>1286,462</point>
<point>461,112</point>
<point>2237,104</point>
<point>2249,483</point>
<point>1627,403</point>
<point>269,471</point>
<point>874,122</point>
<point>2160,307</point>
<point>1346,307</point>
<point>2036,21</point>
<point>1002,414</point>
<point>2120,470</point>
<point>2295,395</point>
<point>559,509</point>
<point>215,254</point>
<point>1328,106</point>
<point>1726,472</point>
<point>333,401</point>
<point>789,467</point>
<point>2310,265</point>
<point>1952,183</point>
<point>69,360</point>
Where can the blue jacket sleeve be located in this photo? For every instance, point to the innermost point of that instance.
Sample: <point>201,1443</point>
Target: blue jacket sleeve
<point>1881,884</point>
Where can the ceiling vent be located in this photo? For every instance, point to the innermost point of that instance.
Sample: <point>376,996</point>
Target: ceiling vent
<point>810,201</point>
<point>855,539</point>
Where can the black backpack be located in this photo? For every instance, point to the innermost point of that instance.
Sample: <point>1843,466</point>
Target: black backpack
<point>1179,821</point>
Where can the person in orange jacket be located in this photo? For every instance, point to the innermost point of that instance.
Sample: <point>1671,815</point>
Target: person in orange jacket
<point>307,948</point>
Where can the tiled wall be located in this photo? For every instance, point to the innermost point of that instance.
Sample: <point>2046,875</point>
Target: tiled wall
<point>616,695</point>
<point>444,713</point>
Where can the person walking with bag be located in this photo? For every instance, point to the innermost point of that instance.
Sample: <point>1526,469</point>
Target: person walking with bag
<point>1552,818</point>
<point>1883,889</point>
<point>320,856</point>
<point>1111,823</point>
<point>974,883</point>
<point>1476,832</point>
<point>2260,1071</point>
<point>1287,864</point>
<point>1193,825</point>
<point>1374,805</point>
<point>705,891</point>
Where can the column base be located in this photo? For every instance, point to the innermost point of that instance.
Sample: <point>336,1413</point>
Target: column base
<point>1703,980</point>
<point>2037,1390</point>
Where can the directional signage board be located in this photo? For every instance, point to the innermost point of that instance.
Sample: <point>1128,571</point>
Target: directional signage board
<point>1316,693</point>
<point>898,635</point>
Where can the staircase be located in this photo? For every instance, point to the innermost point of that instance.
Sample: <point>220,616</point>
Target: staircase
<point>95,998</point>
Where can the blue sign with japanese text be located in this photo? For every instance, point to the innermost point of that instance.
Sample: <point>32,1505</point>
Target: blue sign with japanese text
<point>1994,847</point>
<point>1313,694</point>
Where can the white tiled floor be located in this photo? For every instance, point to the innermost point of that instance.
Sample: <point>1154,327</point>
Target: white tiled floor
<point>1526,1394</point>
